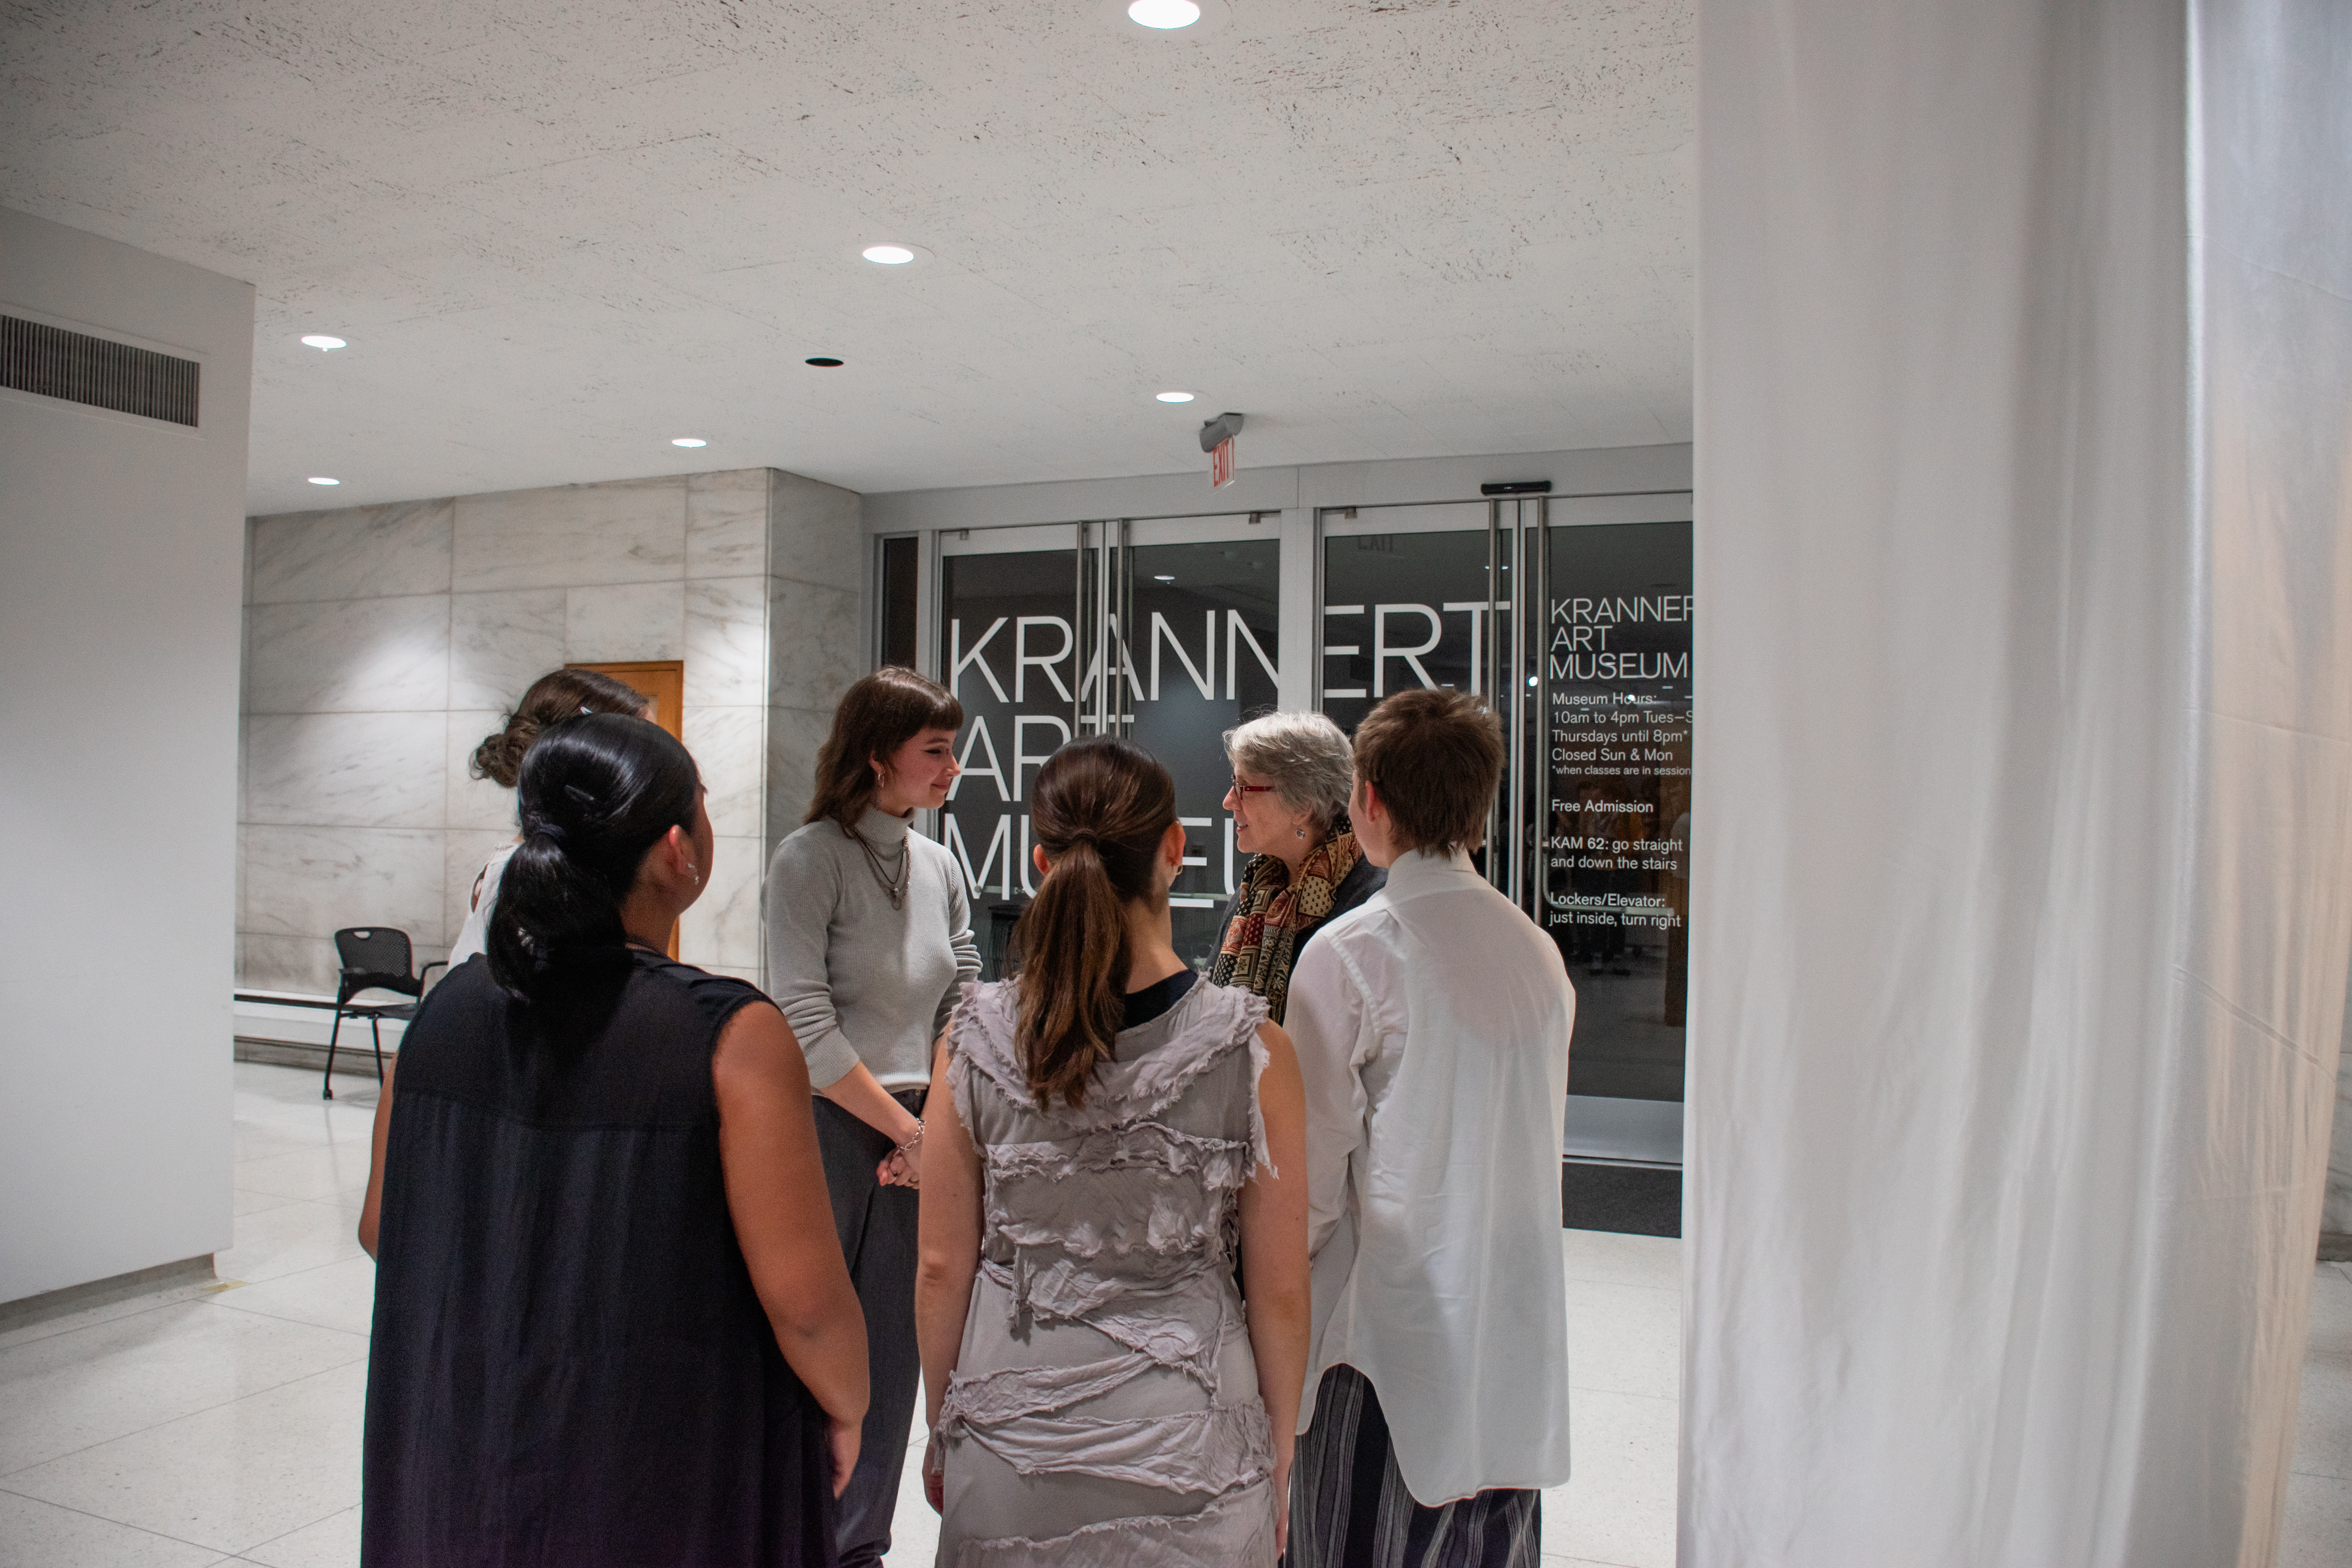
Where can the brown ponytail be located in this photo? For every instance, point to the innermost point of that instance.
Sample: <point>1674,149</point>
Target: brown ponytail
<point>1099,809</point>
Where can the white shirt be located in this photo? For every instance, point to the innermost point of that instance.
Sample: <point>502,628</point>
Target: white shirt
<point>1432,1026</point>
<point>474,936</point>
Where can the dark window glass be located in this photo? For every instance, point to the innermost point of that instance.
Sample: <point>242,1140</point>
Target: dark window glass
<point>1204,643</point>
<point>900,557</point>
<point>1608,712</point>
<point>1615,853</point>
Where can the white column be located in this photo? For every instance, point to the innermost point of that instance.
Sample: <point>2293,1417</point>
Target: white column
<point>2023,875</point>
<point>121,573</point>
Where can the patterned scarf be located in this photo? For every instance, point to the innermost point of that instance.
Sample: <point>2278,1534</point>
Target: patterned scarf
<point>1269,912</point>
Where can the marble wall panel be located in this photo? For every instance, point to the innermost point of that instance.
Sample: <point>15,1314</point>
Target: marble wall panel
<point>349,770</point>
<point>501,643</point>
<point>348,656</point>
<point>727,523</point>
<point>350,760</point>
<point>813,647</point>
<point>570,536</point>
<point>723,926</point>
<point>479,804</point>
<point>352,553</point>
<point>464,853</point>
<point>305,964</point>
<point>795,736</point>
<point>624,622</point>
<point>813,534</point>
<point>727,642</point>
<point>729,745</point>
<point>313,881</point>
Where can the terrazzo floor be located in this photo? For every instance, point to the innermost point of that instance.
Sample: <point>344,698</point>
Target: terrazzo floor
<point>221,1424</point>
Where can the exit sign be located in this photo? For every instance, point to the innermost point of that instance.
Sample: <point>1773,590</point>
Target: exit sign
<point>1220,464</point>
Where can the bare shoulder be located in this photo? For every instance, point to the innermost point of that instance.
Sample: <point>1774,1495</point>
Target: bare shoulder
<point>756,1046</point>
<point>1276,1041</point>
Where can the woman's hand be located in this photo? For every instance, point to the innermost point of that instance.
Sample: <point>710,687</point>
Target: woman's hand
<point>903,1166</point>
<point>840,1442</point>
<point>899,1168</point>
<point>935,1475</point>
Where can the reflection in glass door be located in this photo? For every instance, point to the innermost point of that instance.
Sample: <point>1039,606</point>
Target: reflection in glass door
<point>1008,651</point>
<point>1590,672</point>
<point>1616,822</point>
<point>1161,630</point>
<point>1205,616</point>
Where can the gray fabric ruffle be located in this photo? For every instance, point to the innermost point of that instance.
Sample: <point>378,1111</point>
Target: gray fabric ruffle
<point>1238,1528</point>
<point>1119,1216</point>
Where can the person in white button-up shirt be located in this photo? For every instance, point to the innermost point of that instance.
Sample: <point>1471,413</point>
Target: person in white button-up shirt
<point>1432,1026</point>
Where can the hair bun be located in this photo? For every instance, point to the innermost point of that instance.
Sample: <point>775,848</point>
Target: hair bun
<point>499,756</point>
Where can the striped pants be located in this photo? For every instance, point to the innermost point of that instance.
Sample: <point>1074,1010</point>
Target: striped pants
<point>1349,1508</point>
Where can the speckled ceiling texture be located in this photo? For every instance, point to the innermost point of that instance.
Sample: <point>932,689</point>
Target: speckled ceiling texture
<point>558,235</point>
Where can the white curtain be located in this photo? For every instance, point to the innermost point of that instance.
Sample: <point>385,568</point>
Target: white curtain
<point>2023,847</point>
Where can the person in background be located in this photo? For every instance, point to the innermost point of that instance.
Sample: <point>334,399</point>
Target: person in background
<point>1432,1028</point>
<point>558,695</point>
<point>1097,1393</point>
<point>870,933</point>
<point>611,1324</point>
<point>1289,805</point>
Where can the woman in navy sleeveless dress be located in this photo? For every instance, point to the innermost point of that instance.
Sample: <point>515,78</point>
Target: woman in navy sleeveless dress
<point>611,1323</point>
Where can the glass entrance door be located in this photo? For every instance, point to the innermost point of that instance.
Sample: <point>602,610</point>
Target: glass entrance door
<point>1204,603</point>
<point>1163,630</point>
<point>1009,650</point>
<point>1589,670</point>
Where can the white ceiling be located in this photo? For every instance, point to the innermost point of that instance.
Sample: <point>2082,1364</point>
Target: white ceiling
<point>558,235</point>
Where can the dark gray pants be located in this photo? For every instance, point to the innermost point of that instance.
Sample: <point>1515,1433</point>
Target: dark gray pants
<point>1349,1507</point>
<point>876,1226</point>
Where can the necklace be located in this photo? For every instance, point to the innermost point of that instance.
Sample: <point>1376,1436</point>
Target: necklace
<point>893,883</point>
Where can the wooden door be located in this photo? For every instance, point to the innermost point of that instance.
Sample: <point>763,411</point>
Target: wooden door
<point>663,680</point>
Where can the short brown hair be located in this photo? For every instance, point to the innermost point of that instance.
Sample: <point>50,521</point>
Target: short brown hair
<point>879,713</point>
<point>1437,758</point>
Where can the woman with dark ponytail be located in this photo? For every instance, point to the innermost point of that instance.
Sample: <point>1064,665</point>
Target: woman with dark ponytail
<point>611,1325</point>
<point>1096,1390</point>
<point>558,695</point>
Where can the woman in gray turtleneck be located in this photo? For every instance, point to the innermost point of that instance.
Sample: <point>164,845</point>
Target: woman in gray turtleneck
<point>869,940</point>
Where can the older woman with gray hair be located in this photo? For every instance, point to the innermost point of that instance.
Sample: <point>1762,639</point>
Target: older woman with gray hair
<point>1292,772</point>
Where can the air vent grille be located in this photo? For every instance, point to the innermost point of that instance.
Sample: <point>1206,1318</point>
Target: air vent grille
<point>80,368</point>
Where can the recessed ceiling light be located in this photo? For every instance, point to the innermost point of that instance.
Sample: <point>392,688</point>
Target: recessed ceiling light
<point>887,255</point>
<point>1165,18</point>
<point>1175,397</point>
<point>323,342</point>
<point>319,479</point>
<point>688,441</point>
<point>1169,577</point>
<point>1165,15</point>
<point>822,363</point>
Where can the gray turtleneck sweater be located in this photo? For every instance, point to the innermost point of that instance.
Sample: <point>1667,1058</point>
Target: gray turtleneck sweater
<point>857,980</point>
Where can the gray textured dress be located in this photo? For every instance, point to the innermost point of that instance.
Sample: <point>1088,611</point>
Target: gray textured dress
<point>1105,1405</point>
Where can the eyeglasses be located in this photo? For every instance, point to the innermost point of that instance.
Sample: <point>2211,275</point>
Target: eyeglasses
<point>1241,788</point>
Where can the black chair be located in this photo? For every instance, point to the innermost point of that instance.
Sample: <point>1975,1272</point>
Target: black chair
<point>374,958</point>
